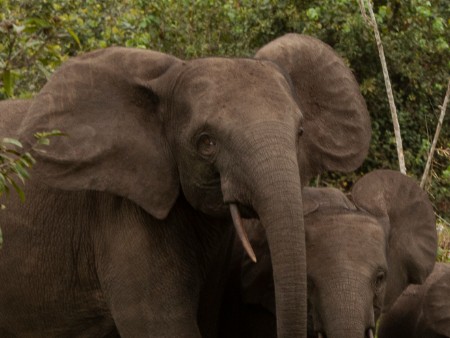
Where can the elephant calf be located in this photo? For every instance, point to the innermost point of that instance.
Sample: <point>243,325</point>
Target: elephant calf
<point>361,254</point>
<point>422,311</point>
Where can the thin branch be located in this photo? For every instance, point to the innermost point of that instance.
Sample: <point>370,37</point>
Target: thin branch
<point>373,23</point>
<point>362,7</point>
<point>436,137</point>
<point>442,220</point>
<point>318,180</point>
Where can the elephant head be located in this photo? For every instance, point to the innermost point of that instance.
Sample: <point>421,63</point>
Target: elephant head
<point>219,132</point>
<point>361,253</point>
<point>421,311</point>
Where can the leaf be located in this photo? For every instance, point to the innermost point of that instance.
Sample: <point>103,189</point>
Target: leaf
<point>29,159</point>
<point>18,190</point>
<point>12,141</point>
<point>21,172</point>
<point>8,83</point>
<point>38,23</point>
<point>4,158</point>
<point>44,141</point>
<point>12,151</point>
<point>24,162</point>
<point>4,189</point>
<point>45,134</point>
<point>44,71</point>
<point>18,29</point>
<point>74,36</point>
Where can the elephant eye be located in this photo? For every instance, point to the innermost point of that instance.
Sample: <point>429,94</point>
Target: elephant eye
<point>379,279</point>
<point>300,132</point>
<point>206,145</point>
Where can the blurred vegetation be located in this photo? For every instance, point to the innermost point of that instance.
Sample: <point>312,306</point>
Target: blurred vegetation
<point>444,243</point>
<point>15,161</point>
<point>37,36</point>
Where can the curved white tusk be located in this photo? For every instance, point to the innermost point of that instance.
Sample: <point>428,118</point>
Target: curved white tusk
<point>237,221</point>
<point>370,333</point>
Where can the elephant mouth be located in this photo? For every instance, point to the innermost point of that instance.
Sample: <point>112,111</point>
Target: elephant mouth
<point>246,211</point>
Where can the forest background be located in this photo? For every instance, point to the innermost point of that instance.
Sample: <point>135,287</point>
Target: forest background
<point>37,36</point>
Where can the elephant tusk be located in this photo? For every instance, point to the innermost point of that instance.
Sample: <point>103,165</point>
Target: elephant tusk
<point>237,221</point>
<point>370,333</point>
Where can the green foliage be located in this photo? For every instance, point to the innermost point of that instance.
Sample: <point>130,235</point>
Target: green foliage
<point>14,161</point>
<point>416,38</point>
<point>37,36</point>
<point>443,254</point>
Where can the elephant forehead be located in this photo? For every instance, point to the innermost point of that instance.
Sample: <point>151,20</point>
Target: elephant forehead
<point>348,240</point>
<point>236,85</point>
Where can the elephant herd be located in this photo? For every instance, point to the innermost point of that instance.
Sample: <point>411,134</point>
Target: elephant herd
<point>176,205</point>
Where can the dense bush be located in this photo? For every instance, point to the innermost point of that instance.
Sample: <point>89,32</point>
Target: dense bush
<point>37,36</point>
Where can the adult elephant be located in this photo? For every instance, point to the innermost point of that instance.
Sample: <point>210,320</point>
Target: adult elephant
<point>422,311</point>
<point>127,220</point>
<point>361,254</point>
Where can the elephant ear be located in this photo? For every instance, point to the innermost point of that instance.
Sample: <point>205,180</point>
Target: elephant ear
<point>407,216</point>
<point>11,115</point>
<point>436,306</point>
<point>106,102</point>
<point>336,121</point>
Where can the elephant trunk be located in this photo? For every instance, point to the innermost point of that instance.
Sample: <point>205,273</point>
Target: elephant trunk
<point>347,309</point>
<point>274,191</point>
<point>282,219</point>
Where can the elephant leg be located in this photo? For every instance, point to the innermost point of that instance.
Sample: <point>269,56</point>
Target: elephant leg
<point>142,270</point>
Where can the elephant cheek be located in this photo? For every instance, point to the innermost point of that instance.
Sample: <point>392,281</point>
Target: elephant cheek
<point>204,197</point>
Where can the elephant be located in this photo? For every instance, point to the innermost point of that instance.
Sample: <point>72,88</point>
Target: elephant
<point>12,107</point>
<point>421,311</point>
<point>362,252</point>
<point>128,222</point>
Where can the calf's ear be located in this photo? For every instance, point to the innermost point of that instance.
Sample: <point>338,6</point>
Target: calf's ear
<point>407,216</point>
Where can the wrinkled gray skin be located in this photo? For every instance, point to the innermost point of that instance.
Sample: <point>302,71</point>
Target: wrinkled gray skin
<point>421,311</point>
<point>126,222</point>
<point>361,254</point>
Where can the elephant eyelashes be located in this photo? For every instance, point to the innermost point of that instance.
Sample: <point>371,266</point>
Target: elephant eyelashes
<point>206,145</point>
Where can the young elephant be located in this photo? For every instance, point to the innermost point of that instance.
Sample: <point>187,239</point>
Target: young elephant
<point>361,254</point>
<point>421,311</point>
